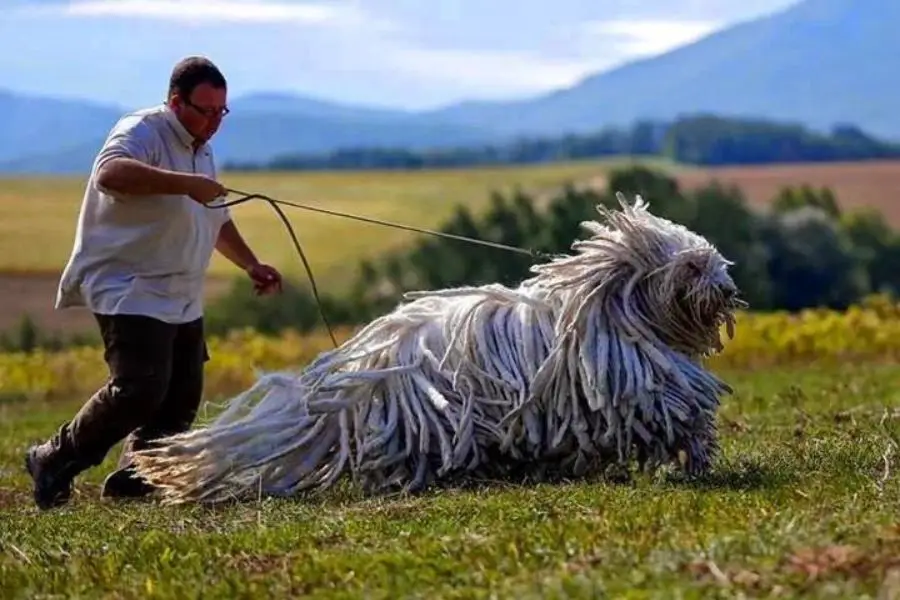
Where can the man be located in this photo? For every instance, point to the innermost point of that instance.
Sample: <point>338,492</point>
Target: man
<point>143,243</point>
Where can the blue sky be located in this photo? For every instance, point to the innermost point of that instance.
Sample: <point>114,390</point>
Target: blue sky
<point>399,53</point>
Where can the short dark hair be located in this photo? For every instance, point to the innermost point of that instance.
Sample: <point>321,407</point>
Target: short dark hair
<point>190,72</point>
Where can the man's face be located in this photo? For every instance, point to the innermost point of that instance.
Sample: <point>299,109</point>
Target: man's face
<point>201,113</point>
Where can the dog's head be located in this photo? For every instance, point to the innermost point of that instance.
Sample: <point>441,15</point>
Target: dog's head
<point>668,278</point>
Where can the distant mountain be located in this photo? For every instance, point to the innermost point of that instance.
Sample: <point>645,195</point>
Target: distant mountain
<point>31,125</point>
<point>70,160</point>
<point>40,135</point>
<point>819,62</point>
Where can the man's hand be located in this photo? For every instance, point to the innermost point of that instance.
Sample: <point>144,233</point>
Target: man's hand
<point>266,279</point>
<point>203,189</point>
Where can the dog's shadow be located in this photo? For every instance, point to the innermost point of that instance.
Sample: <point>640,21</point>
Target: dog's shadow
<point>744,475</point>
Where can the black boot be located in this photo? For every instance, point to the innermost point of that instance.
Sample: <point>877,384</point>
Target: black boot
<point>53,475</point>
<point>125,483</point>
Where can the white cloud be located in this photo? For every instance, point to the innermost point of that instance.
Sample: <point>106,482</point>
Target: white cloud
<point>505,72</point>
<point>636,38</point>
<point>239,11</point>
<point>600,45</point>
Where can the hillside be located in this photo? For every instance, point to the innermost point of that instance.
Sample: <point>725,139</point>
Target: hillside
<point>819,62</point>
<point>50,127</point>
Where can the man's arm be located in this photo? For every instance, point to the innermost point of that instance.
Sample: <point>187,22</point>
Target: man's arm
<point>130,176</point>
<point>233,247</point>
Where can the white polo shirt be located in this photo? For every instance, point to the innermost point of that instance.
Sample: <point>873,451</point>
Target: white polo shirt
<point>144,255</point>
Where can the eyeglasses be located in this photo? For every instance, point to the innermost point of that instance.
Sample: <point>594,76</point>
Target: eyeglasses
<point>208,112</point>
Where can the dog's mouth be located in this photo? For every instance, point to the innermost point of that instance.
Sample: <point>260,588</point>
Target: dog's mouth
<point>725,316</point>
<point>706,314</point>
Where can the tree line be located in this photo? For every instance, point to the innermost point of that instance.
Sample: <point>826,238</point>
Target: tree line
<point>803,252</point>
<point>698,139</point>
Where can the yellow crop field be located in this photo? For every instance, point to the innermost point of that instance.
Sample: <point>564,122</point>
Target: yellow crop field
<point>870,332</point>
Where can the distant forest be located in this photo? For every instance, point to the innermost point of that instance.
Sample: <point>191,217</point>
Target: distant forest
<point>700,140</point>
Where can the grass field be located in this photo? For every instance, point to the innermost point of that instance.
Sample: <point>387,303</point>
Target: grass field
<point>803,503</point>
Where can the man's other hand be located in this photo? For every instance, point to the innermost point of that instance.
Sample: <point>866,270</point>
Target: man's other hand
<point>204,189</point>
<point>266,279</point>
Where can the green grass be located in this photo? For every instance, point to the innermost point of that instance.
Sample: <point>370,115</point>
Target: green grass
<point>803,503</point>
<point>38,215</point>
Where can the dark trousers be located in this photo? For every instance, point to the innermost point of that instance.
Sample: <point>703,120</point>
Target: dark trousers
<point>154,389</point>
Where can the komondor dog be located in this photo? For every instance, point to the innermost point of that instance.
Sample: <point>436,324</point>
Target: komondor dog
<point>594,360</point>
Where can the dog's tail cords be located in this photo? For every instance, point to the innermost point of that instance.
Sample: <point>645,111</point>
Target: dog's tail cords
<point>274,203</point>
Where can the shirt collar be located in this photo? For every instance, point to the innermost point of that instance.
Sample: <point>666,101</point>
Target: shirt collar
<point>183,134</point>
